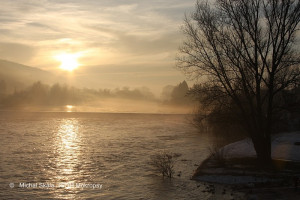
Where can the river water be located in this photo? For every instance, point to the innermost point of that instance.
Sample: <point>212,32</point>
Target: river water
<point>47,155</point>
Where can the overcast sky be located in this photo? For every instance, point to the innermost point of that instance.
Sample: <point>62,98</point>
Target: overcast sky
<point>120,42</point>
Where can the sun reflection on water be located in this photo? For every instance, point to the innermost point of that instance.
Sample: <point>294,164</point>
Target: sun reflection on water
<point>68,155</point>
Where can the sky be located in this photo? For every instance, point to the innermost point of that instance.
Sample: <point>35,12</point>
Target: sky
<point>116,42</point>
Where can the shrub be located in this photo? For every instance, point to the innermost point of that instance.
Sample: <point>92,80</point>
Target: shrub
<point>164,163</point>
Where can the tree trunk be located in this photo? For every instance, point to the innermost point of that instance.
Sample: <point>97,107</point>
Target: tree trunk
<point>262,146</point>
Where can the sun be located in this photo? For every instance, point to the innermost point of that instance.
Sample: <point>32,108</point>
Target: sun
<point>68,61</point>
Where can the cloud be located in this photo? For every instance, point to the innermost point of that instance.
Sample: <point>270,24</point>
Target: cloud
<point>148,42</point>
<point>140,33</point>
<point>43,20</point>
<point>139,44</point>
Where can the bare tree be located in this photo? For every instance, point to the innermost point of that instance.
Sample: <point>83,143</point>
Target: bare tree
<point>164,163</point>
<point>245,52</point>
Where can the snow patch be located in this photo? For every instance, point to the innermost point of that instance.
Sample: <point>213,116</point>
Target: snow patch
<point>283,148</point>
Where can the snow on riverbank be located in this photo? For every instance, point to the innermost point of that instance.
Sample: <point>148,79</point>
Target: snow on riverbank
<point>283,148</point>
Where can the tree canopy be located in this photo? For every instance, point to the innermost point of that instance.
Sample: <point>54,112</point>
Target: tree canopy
<point>245,52</point>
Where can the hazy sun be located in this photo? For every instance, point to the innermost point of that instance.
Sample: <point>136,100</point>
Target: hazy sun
<point>68,61</point>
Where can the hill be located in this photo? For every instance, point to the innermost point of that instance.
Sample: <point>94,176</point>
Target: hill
<point>14,76</point>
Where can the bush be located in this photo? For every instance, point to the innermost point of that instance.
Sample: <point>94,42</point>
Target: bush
<point>164,163</point>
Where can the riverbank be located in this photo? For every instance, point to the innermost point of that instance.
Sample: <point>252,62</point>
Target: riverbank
<point>235,165</point>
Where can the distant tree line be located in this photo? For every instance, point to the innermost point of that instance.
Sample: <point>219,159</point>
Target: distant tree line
<point>40,94</point>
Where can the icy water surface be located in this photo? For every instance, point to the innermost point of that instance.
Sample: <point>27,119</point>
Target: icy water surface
<point>96,156</point>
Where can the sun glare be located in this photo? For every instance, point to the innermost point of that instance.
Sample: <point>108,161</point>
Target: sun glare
<point>69,108</point>
<point>68,61</point>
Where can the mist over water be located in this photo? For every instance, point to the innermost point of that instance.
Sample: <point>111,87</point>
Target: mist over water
<point>92,148</point>
<point>64,98</point>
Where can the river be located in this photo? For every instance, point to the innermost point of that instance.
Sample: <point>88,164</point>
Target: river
<point>73,155</point>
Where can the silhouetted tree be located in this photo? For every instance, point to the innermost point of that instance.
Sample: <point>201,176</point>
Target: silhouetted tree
<point>179,93</point>
<point>176,95</point>
<point>243,53</point>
